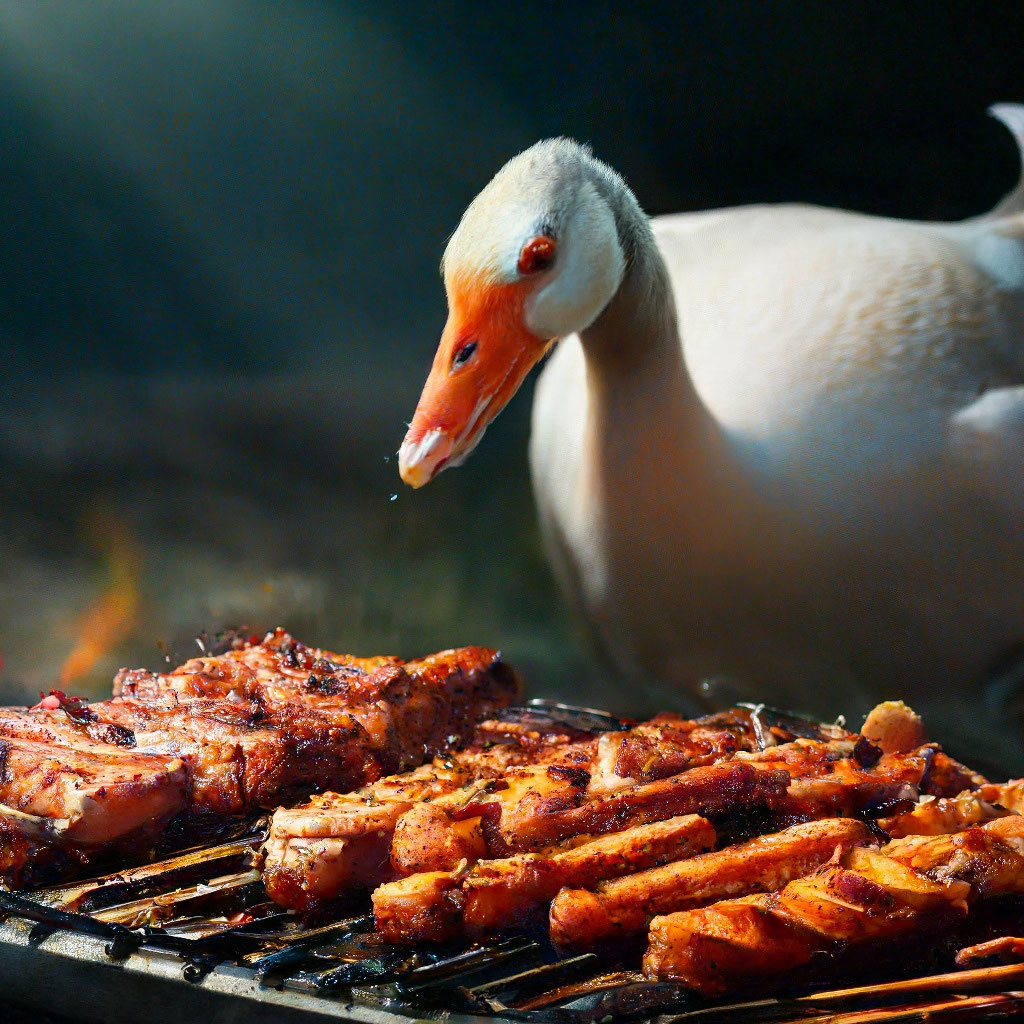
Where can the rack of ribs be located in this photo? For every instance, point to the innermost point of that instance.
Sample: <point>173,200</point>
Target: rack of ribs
<point>516,788</point>
<point>603,831</point>
<point>224,735</point>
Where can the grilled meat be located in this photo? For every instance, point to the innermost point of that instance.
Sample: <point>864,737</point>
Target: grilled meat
<point>385,713</point>
<point>499,894</point>
<point>531,788</point>
<point>1009,795</point>
<point>57,801</point>
<point>749,770</point>
<point>588,917</point>
<point>224,735</point>
<point>934,816</point>
<point>800,780</point>
<point>850,776</point>
<point>908,885</point>
<point>340,843</point>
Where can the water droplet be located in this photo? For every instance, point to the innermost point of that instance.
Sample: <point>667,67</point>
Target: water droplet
<point>394,497</point>
<point>387,458</point>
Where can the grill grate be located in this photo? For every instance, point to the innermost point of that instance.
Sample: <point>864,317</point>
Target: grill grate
<point>203,912</point>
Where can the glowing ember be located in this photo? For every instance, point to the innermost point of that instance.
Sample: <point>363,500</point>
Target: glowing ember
<point>111,615</point>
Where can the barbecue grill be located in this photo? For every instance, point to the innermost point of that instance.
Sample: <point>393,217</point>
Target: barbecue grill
<point>194,934</point>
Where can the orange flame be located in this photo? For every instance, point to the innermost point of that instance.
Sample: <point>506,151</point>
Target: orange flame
<point>110,616</point>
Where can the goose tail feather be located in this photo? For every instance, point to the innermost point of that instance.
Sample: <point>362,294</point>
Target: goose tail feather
<point>1011,115</point>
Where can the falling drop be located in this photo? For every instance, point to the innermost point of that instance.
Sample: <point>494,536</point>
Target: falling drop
<point>394,497</point>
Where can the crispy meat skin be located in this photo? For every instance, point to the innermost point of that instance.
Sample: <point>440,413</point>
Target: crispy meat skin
<point>559,786</point>
<point>552,786</point>
<point>224,735</point>
<point>497,894</point>
<point>910,884</point>
<point>612,910</point>
<point>337,843</point>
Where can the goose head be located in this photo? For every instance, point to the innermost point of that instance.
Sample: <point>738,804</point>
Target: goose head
<point>536,257</point>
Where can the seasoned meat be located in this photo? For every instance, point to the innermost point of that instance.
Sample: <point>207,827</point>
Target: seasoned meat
<point>340,843</point>
<point>60,798</point>
<point>226,734</point>
<point>87,798</point>
<point>497,894</point>
<point>909,885</point>
<point>1008,794</point>
<point>534,784</point>
<point>747,773</point>
<point>387,713</point>
<point>934,816</point>
<point>845,776</point>
<point>587,917</point>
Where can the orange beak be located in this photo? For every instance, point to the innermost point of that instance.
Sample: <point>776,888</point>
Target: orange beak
<point>484,355</point>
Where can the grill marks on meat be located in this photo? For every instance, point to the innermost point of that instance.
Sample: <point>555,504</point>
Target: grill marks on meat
<point>497,894</point>
<point>744,849</point>
<point>343,843</point>
<point>607,831</point>
<point>582,918</point>
<point>531,788</point>
<point>57,801</point>
<point>340,843</point>
<point>226,734</point>
<point>909,885</point>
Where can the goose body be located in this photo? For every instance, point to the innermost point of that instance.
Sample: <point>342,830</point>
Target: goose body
<point>786,454</point>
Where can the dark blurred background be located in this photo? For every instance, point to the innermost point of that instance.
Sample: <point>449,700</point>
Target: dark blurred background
<point>220,226</point>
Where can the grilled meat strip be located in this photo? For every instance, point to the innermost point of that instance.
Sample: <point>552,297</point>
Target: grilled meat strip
<point>909,885</point>
<point>586,792</point>
<point>934,816</point>
<point>342,843</point>
<point>753,772</point>
<point>585,918</point>
<point>498,894</point>
<point>548,785</point>
<point>224,735</point>
<point>1009,795</point>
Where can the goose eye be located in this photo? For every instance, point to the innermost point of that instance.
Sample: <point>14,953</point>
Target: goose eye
<point>464,354</point>
<point>538,254</point>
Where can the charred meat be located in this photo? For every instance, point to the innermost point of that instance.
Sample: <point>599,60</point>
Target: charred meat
<point>224,735</point>
<point>604,832</point>
<point>863,896</point>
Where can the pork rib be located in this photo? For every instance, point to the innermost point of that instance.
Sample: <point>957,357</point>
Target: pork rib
<point>499,894</point>
<point>224,735</point>
<point>544,787</point>
<point>584,918</point>
<point>908,885</point>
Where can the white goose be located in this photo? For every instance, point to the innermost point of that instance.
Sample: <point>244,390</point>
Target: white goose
<point>780,446</point>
